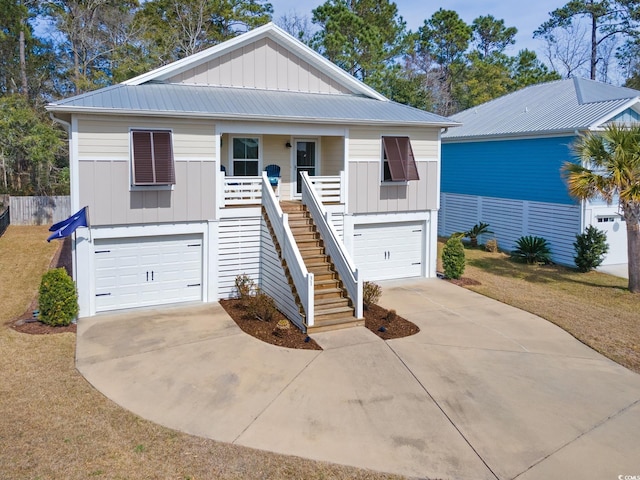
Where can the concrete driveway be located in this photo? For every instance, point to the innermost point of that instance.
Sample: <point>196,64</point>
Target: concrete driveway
<point>484,391</point>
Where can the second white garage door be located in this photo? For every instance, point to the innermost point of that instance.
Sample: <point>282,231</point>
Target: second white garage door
<point>390,250</point>
<point>147,271</point>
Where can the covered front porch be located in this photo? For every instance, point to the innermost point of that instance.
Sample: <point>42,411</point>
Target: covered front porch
<point>243,158</point>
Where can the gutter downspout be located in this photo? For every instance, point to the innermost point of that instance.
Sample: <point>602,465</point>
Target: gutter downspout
<point>64,123</point>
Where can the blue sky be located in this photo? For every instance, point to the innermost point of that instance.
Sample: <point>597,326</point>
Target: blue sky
<point>525,17</point>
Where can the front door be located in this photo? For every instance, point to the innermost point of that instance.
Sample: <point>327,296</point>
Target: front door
<point>305,161</point>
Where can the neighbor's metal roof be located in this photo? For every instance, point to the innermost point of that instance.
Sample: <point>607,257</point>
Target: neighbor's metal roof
<point>554,107</point>
<point>249,104</point>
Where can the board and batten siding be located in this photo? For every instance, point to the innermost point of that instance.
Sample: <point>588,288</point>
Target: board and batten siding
<point>262,64</point>
<point>273,280</point>
<point>332,155</point>
<point>238,252</point>
<point>366,192</point>
<point>104,172</point>
<point>510,219</point>
<point>522,169</point>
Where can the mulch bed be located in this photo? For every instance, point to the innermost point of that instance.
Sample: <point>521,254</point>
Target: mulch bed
<point>386,324</point>
<point>268,331</point>
<point>377,319</point>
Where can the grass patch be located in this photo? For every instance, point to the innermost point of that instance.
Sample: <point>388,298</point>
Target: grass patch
<point>594,307</point>
<point>55,425</point>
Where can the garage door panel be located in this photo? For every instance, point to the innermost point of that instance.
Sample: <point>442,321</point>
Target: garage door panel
<point>385,251</point>
<point>147,271</point>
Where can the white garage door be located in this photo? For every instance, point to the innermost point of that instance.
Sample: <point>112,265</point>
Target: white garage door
<point>147,271</point>
<point>389,250</point>
<point>616,229</point>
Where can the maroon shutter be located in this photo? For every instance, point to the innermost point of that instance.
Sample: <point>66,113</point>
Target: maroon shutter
<point>163,156</point>
<point>402,164</point>
<point>142,158</point>
<point>412,168</point>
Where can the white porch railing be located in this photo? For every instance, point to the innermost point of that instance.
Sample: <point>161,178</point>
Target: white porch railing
<point>331,189</point>
<point>302,279</point>
<point>240,191</point>
<point>333,246</point>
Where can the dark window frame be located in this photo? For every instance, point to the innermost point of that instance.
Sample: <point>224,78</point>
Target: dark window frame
<point>243,165</point>
<point>398,160</point>
<point>152,159</point>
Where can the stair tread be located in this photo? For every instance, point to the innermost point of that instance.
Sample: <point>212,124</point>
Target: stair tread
<point>331,311</point>
<point>335,324</point>
<point>324,303</point>
<point>326,291</point>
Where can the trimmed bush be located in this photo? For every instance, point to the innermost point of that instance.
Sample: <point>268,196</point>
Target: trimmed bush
<point>245,286</point>
<point>591,247</point>
<point>261,306</point>
<point>453,258</point>
<point>57,298</point>
<point>371,293</point>
<point>532,250</point>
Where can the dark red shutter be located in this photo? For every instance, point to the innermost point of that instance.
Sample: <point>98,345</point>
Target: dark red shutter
<point>163,156</point>
<point>152,158</point>
<point>142,158</point>
<point>402,164</point>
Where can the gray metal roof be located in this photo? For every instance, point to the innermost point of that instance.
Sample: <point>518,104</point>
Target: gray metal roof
<point>250,104</point>
<point>556,107</point>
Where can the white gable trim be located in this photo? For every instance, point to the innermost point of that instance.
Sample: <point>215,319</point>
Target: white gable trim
<point>277,35</point>
<point>599,124</point>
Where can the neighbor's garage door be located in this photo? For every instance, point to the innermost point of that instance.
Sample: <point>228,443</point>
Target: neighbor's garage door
<point>389,250</point>
<point>616,229</point>
<point>147,271</point>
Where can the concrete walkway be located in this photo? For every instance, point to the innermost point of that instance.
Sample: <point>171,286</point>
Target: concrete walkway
<point>617,270</point>
<point>484,391</point>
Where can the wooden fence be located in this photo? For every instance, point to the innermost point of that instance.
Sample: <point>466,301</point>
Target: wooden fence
<point>39,210</point>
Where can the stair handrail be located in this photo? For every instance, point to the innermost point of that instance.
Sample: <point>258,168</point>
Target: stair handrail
<point>302,278</point>
<point>334,247</point>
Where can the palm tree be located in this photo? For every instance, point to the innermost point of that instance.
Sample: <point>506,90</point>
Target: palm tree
<point>610,168</point>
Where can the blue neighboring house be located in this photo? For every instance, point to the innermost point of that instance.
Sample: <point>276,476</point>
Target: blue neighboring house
<point>503,166</point>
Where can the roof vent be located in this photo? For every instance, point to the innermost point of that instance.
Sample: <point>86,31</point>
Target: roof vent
<point>526,109</point>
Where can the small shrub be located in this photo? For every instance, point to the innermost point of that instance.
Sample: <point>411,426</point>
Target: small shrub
<point>371,293</point>
<point>453,258</point>
<point>57,298</point>
<point>477,230</point>
<point>245,286</point>
<point>591,247</point>
<point>261,306</point>
<point>491,245</point>
<point>391,315</point>
<point>532,250</point>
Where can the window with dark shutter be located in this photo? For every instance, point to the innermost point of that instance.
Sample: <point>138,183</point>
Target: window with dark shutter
<point>398,163</point>
<point>152,158</point>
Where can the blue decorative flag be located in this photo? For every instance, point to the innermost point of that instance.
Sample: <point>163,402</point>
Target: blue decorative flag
<point>67,227</point>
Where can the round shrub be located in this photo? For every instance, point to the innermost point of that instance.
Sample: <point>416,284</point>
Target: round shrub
<point>57,298</point>
<point>453,259</point>
<point>590,247</point>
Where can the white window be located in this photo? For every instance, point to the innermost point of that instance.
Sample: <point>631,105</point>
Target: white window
<point>398,162</point>
<point>245,154</point>
<point>152,158</point>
